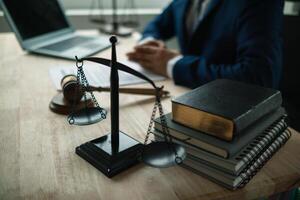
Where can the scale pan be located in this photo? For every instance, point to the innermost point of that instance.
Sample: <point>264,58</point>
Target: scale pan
<point>162,154</point>
<point>87,116</point>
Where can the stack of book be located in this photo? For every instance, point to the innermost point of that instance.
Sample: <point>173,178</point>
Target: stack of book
<point>228,128</point>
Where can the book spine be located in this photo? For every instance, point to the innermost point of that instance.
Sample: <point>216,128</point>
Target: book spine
<point>253,168</point>
<point>260,142</point>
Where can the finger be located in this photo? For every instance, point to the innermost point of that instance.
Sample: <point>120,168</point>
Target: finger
<point>149,43</point>
<point>155,43</point>
<point>133,55</point>
<point>146,49</point>
<point>146,64</point>
<point>143,64</point>
<point>136,59</point>
<point>139,57</point>
<point>130,53</point>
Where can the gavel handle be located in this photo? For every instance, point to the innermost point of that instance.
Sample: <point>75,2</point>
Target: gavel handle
<point>142,91</point>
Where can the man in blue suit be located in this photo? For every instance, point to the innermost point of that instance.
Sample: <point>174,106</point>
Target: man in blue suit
<point>233,39</point>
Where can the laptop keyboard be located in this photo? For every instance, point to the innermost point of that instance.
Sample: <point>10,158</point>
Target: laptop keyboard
<point>68,43</point>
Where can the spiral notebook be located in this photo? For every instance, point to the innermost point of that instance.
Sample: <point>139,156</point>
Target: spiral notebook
<point>238,181</point>
<point>234,164</point>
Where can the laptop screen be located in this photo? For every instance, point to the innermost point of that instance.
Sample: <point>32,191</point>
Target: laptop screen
<point>36,17</point>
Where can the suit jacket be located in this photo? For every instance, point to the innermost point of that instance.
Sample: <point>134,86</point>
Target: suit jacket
<point>236,39</point>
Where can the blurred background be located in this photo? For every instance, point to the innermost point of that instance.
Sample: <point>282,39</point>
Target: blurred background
<point>79,12</point>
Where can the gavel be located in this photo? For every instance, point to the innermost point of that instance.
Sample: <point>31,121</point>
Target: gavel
<point>73,92</point>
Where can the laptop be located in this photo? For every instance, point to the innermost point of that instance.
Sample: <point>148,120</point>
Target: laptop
<point>42,27</point>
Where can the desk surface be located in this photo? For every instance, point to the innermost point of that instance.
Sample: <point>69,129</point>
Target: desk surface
<point>37,159</point>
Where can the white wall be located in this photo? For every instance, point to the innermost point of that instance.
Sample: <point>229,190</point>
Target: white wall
<point>84,4</point>
<point>81,4</point>
<point>78,11</point>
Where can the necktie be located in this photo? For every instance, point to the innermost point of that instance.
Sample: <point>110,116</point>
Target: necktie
<point>192,17</point>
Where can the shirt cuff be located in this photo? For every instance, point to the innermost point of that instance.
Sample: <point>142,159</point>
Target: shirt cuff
<point>171,64</point>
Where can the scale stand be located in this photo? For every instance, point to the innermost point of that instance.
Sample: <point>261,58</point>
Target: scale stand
<point>116,151</point>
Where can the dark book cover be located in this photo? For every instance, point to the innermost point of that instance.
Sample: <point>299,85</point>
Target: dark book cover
<point>238,102</point>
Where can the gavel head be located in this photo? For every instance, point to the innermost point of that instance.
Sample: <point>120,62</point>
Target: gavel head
<point>71,89</point>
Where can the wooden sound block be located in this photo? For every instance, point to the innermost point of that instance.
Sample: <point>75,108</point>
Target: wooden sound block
<point>60,106</point>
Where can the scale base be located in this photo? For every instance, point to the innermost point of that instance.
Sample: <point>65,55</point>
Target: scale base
<point>98,153</point>
<point>120,31</point>
<point>60,106</point>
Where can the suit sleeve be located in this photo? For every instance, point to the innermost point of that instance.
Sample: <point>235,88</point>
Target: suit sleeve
<point>162,27</point>
<point>258,47</point>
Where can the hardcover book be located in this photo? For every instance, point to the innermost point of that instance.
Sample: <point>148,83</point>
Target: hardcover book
<point>215,145</point>
<point>224,108</point>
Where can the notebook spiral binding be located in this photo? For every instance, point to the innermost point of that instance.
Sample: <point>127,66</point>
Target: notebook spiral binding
<point>261,141</point>
<point>256,165</point>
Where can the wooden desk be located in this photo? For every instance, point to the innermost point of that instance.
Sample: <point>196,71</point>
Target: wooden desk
<point>37,159</point>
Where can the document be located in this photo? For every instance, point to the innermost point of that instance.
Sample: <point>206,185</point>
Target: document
<point>99,75</point>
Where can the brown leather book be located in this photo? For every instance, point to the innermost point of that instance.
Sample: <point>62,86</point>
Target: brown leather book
<point>223,108</point>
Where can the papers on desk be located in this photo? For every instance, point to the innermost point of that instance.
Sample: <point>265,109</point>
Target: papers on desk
<point>99,76</point>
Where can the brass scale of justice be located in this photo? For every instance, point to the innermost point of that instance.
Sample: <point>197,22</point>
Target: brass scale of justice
<point>117,151</point>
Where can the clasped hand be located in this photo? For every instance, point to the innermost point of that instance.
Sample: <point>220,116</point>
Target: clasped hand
<point>153,55</point>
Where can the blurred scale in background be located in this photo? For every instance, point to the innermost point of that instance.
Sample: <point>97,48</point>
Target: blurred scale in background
<point>121,26</point>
